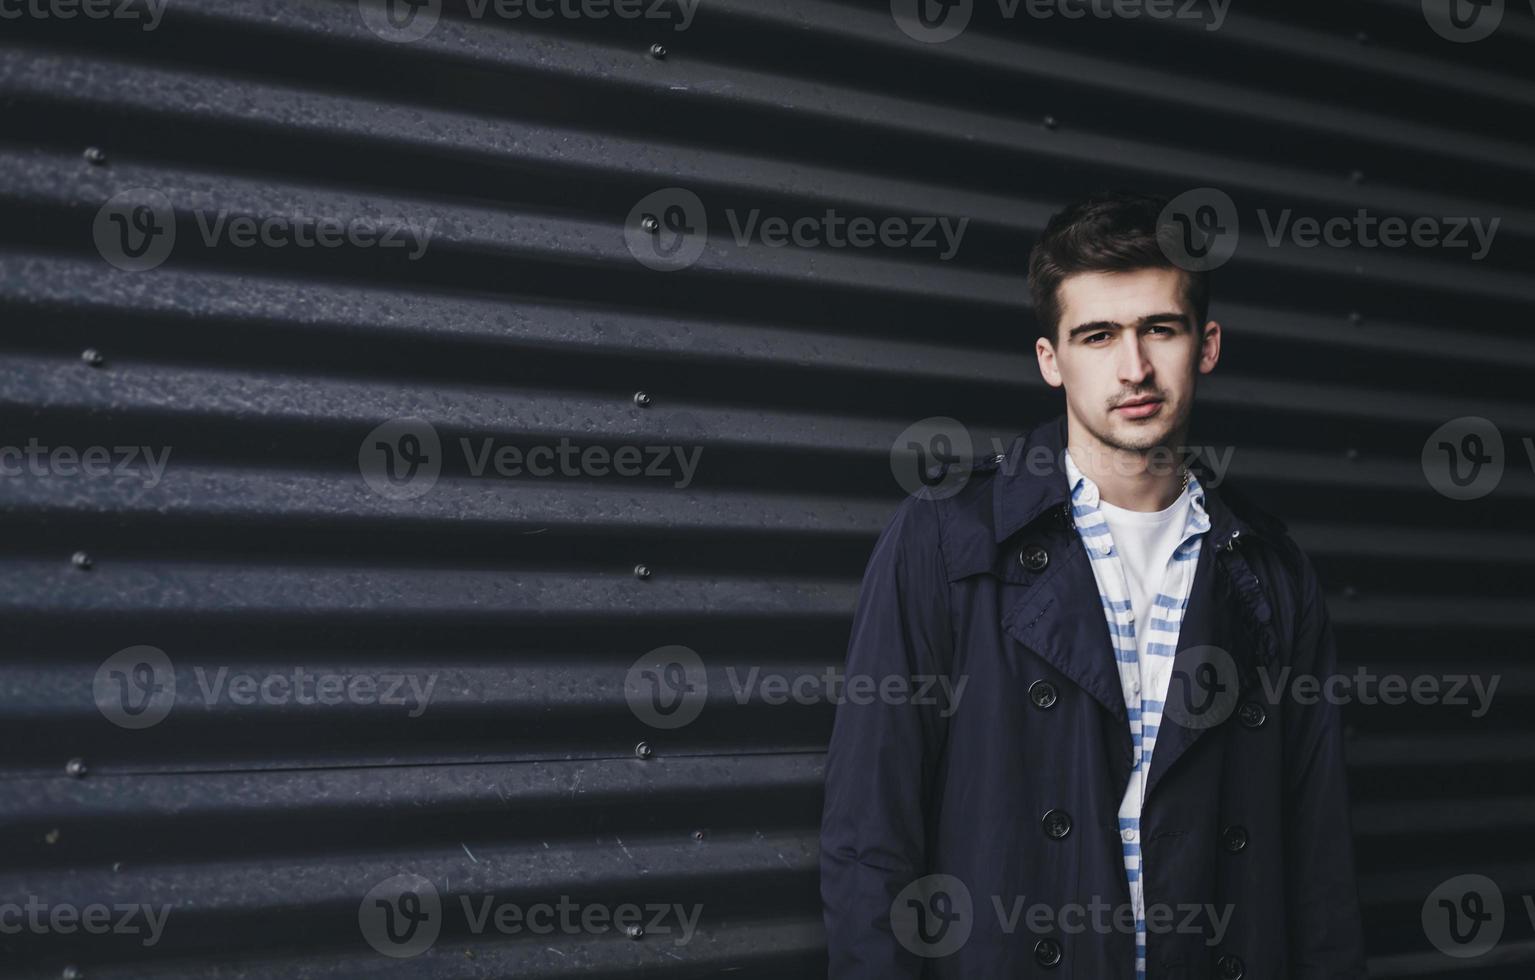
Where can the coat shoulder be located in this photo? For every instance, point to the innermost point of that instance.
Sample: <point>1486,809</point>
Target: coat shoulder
<point>1298,573</point>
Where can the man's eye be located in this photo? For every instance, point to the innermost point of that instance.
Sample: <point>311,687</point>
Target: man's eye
<point>1162,328</point>
<point>1097,336</point>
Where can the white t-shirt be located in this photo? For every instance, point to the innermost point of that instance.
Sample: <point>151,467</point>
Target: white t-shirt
<point>1145,541</point>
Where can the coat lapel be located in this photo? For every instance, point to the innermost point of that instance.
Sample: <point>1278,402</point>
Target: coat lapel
<point>1224,638</point>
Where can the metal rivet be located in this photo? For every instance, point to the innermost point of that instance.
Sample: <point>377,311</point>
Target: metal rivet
<point>642,572</point>
<point>52,836</point>
<point>644,751</point>
<point>642,399</point>
<point>698,835</point>
<point>82,561</point>
<point>1050,122</point>
<point>95,156</point>
<point>634,931</point>
<point>1356,318</point>
<point>72,972</point>
<point>75,768</point>
<point>658,50</point>
<point>650,224</point>
<point>93,357</point>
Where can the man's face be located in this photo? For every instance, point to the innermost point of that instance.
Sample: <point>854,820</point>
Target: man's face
<point>1125,338</point>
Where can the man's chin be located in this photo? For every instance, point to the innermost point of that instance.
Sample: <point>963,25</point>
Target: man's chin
<point>1137,435</point>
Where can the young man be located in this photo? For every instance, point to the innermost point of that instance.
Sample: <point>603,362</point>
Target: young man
<point>1118,790</point>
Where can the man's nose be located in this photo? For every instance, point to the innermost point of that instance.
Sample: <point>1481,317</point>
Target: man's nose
<point>1133,365</point>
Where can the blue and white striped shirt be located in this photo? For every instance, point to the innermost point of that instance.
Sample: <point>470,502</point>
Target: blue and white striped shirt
<point>1144,652</point>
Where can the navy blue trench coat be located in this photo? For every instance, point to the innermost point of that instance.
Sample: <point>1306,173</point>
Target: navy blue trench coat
<point>976,835</point>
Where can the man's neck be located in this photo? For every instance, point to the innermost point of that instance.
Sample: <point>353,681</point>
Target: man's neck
<point>1144,481</point>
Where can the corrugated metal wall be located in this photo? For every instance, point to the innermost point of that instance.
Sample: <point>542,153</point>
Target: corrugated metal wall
<point>525,147</point>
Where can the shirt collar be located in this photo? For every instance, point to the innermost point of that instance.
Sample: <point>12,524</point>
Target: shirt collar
<point>1084,492</point>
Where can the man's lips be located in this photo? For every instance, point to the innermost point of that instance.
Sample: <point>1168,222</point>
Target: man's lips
<point>1140,408</point>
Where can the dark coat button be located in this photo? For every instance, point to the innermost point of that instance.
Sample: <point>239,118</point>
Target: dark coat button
<point>1047,953</point>
<point>1034,557</point>
<point>1234,839</point>
<point>1057,824</point>
<point>1230,968</point>
<point>1252,715</point>
<point>1042,693</point>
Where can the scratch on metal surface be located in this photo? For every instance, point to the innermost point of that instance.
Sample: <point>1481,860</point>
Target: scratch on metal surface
<point>467,851</point>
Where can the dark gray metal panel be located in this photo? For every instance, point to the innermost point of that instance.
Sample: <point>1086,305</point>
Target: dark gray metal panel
<point>261,550</point>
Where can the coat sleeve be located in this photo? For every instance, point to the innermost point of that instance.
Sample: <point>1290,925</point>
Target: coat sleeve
<point>882,756</point>
<point>1322,901</point>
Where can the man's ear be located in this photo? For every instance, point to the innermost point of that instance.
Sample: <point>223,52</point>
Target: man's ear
<point>1209,347</point>
<point>1044,351</point>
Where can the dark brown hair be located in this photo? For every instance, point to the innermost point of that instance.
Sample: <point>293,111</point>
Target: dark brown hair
<point>1109,231</point>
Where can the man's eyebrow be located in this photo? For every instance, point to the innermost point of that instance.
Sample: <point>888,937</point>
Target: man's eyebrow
<point>1145,321</point>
